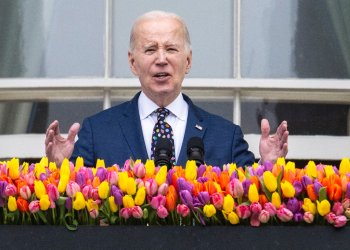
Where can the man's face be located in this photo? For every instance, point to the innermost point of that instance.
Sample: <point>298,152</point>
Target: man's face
<point>160,58</point>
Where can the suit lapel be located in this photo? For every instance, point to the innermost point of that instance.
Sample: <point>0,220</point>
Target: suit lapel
<point>195,127</point>
<point>132,130</point>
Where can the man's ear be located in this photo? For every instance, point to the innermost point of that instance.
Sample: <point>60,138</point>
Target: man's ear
<point>189,62</point>
<point>131,60</point>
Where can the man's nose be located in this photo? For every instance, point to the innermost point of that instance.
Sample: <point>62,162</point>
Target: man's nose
<point>161,57</point>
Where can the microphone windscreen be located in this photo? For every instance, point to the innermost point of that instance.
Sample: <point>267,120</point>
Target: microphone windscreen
<point>195,142</point>
<point>163,144</point>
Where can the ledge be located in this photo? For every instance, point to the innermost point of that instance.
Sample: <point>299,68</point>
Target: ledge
<point>174,237</point>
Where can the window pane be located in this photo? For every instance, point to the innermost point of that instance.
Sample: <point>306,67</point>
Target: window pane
<point>303,118</point>
<point>35,117</point>
<point>210,28</point>
<point>306,39</point>
<point>51,38</point>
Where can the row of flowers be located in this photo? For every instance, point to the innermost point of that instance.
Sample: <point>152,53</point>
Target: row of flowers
<point>142,193</point>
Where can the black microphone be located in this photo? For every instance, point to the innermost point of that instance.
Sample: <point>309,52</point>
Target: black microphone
<point>163,152</point>
<point>195,150</point>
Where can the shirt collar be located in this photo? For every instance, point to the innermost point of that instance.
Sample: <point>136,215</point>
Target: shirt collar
<point>178,107</point>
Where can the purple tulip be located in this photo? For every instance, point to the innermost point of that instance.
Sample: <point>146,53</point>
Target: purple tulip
<point>101,173</point>
<point>3,185</point>
<point>90,174</point>
<point>204,198</point>
<point>260,170</point>
<point>169,177</point>
<point>268,165</point>
<point>246,185</point>
<point>294,205</point>
<point>200,171</point>
<point>317,186</point>
<point>31,167</point>
<point>43,176</point>
<point>118,195</point>
<point>80,179</point>
<point>184,185</point>
<point>347,193</point>
<point>186,198</point>
<point>202,179</point>
<point>306,180</point>
<point>217,170</point>
<point>298,217</point>
<point>234,175</point>
<point>298,187</point>
<point>68,203</point>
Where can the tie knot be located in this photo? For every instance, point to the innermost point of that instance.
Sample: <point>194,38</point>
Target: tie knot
<point>162,113</point>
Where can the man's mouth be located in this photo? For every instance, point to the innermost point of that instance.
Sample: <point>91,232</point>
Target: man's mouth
<point>161,75</point>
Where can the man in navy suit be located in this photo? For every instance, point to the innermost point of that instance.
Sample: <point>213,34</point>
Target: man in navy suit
<point>160,56</point>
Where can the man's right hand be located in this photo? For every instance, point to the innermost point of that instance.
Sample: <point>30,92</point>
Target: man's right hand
<point>57,147</point>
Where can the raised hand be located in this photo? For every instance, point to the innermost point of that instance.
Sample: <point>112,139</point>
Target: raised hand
<point>57,147</point>
<point>271,147</point>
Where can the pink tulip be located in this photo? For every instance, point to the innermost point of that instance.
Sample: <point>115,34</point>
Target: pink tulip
<point>308,217</point>
<point>112,177</point>
<point>284,214</point>
<point>137,212</point>
<point>163,188</point>
<point>340,221</point>
<point>235,188</point>
<point>53,193</point>
<point>151,187</point>
<point>264,216</point>
<point>72,188</point>
<point>254,220</point>
<point>331,217</point>
<point>34,206</point>
<point>183,210</point>
<point>125,213</point>
<point>140,170</point>
<point>157,201</point>
<point>25,192</point>
<point>87,191</point>
<point>217,200</point>
<point>338,208</point>
<point>93,213</point>
<point>255,207</point>
<point>29,178</point>
<point>243,211</point>
<point>162,212</point>
<point>10,190</point>
<point>94,194</point>
<point>268,206</point>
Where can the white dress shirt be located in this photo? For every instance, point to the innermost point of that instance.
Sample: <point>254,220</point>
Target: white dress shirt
<point>177,119</point>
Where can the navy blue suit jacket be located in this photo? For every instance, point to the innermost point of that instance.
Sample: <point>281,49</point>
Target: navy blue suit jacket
<point>115,135</point>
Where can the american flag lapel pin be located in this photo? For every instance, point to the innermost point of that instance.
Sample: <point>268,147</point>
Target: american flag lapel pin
<point>199,127</point>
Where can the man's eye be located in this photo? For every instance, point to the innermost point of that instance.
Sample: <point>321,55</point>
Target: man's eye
<point>149,51</point>
<point>172,49</point>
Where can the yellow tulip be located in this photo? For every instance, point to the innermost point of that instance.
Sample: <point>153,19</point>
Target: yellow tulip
<point>328,169</point>
<point>276,199</point>
<point>103,190</point>
<point>39,169</point>
<point>44,202</point>
<point>140,196</point>
<point>52,166</point>
<point>25,167</point>
<point>344,167</point>
<point>100,163</point>
<point>309,206</point>
<point>241,176</point>
<point>290,166</point>
<point>255,165</point>
<point>128,201</point>
<point>62,184</point>
<point>112,205</point>
<point>191,170</point>
<point>209,210</point>
<point>123,181</point>
<point>270,181</point>
<point>228,204</point>
<point>79,162</point>
<point>323,207</point>
<point>233,218</point>
<point>79,202</point>
<point>130,186</point>
<point>65,170</point>
<point>13,167</point>
<point>281,161</point>
<point>288,189</point>
<point>253,194</point>
<point>150,167</point>
<point>39,189</point>
<point>161,175</point>
<point>311,169</point>
<point>91,204</point>
<point>232,168</point>
<point>12,204</point>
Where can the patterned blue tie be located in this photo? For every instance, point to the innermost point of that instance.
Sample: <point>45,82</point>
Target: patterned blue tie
<point>162,130</point>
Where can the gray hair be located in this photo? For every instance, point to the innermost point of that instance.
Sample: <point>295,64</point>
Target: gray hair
<point>156,14</point>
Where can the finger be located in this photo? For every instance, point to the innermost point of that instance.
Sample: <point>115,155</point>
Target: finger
<point>284,139</point>
<point>265,128</point>
<point>54,126</point>
<point>73,131</point>
<point>281,129</point>
<point>284,150</point>
<point>48,150</point>
<point>49,137</point>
